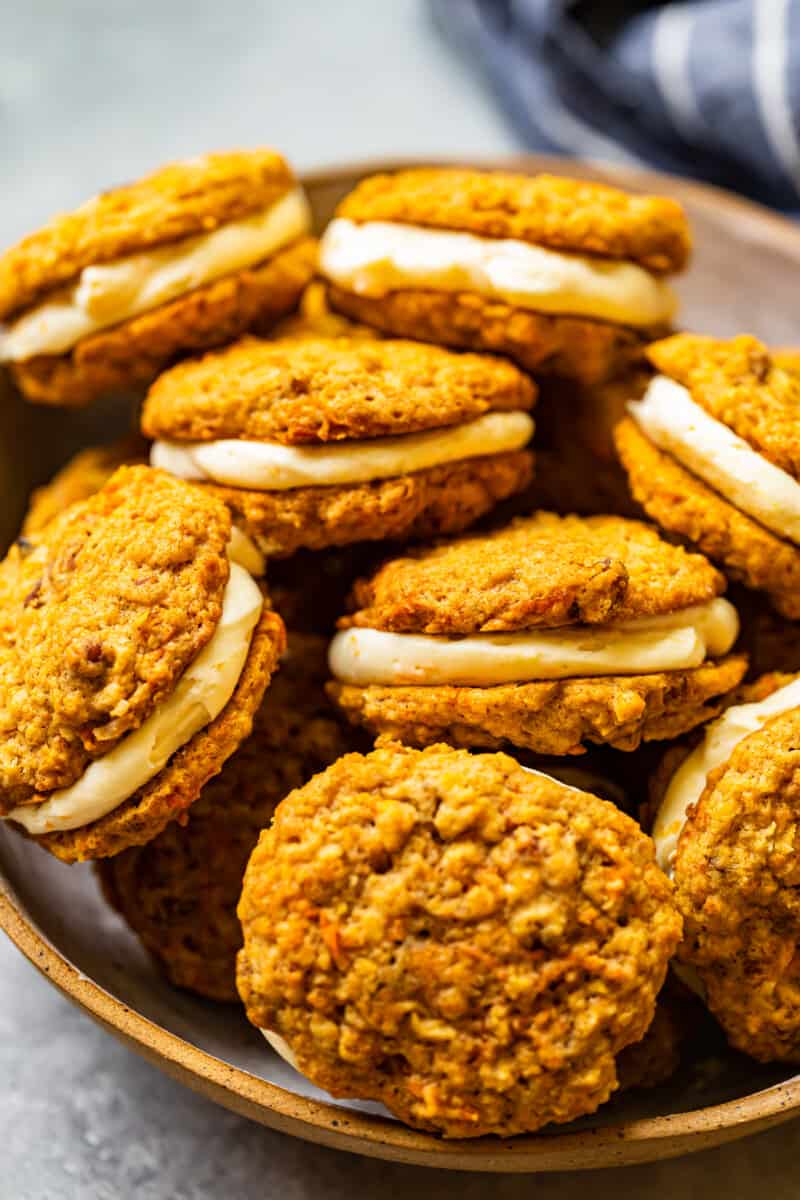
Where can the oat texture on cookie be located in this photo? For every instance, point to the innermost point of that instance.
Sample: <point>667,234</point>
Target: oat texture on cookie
<point>463,917</point>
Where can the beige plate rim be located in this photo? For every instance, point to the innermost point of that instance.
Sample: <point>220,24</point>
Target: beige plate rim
<point>627,1142</point>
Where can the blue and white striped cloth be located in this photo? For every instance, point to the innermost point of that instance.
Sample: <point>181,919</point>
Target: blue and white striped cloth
<point>707,88</point>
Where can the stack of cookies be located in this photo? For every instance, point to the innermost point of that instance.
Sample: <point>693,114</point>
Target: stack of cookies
<point>409,519</point>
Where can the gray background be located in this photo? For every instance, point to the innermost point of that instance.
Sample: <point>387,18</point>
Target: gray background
<point>92,93</point>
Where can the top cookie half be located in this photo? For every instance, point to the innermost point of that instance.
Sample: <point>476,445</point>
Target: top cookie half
<point>190,256</point>
<point>546,210</point>
<point>321,390</point>
<point>174,202</point>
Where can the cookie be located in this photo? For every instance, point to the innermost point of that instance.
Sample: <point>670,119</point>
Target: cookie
<point>80,478</point>
<point>179,892</point>
<point>547,634</point>
<point>102,299</point>
<point>135,648</point>
<point>459,912</point>
<point>540,571</point>
<point>726,829</point>
<point>712,453</point>
<point>564,276</point>
<point>318,442</point>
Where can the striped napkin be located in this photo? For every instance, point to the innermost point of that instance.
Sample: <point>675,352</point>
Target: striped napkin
<point>706,88</point>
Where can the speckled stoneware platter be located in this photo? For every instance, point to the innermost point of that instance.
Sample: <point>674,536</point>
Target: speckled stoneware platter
<point>743,278</point>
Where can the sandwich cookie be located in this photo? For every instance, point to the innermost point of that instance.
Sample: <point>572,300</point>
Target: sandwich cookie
<point>103,298</point>
<point>467,942</point>
<point>316,442</point>
<point>179,892</point>
<point>712,452</point>
<point>135,647</point>
<point>549,633</point>
<point>727,830</point>
<point>565,277</point>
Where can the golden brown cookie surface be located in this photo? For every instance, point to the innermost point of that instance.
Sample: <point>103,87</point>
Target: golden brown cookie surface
<point>449,902</point>
<point>190,197</point>
<point>548,717</point>
<point>682,504</point>
<point>439,500</point>
<point>564,214</point>
<point>179,892</point>
<point>304,391</point>
<point>132,353</point>
<point>738,383</point>
<point>99,617</point>
<point>574,347</point>
<point>542,570</point>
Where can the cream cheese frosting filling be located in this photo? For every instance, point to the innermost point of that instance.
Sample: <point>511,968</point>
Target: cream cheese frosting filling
<point>270,466</point>
<point>109,293</point>
<point>677,641</point>
<point>243,551</point>
<point>671,419</point>
<point>201,693</point>
<point>377,257</point>
<point>719,742</point>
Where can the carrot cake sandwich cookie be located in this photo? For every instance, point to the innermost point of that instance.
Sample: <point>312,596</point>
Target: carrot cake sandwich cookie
<point>546,634</point>
<point>712,452</point>
<point>468,942</point>
<point>135,647</point>
<point>319,442</point>
<point>565,277</point>
<point>103,298</point>
<point>179,892</point>
<point>727,829</point>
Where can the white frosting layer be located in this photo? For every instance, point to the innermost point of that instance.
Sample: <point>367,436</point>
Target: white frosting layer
<point>244,551</point>
<point>721,738</point>
<point>378,257</point>
<point>269,466</point>
<point>112,292</point>
<point>201,693</point>
<point>677,641</point>
<point>671,418</point>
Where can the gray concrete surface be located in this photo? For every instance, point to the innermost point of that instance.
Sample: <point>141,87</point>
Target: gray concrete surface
<point>92,92</point>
